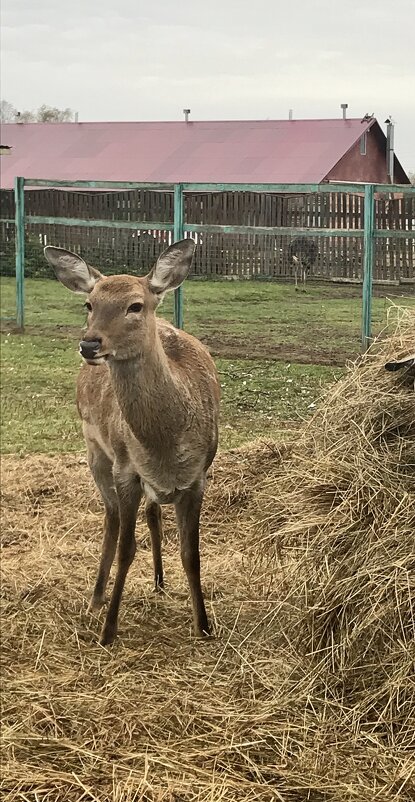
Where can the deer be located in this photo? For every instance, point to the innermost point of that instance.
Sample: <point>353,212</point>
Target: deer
<point>303,254</point>
<point>148,396</point>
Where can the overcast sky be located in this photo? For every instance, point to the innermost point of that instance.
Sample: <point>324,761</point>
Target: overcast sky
<point>223,59</point>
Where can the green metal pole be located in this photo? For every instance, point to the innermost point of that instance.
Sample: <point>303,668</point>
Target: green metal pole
<point>19,235</point>
<point>368,252</point>
<point>178,234</point>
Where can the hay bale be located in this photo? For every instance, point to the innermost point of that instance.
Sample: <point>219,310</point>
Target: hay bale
<point>345,504</point>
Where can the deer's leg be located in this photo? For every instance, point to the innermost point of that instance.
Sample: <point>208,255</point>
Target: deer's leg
<point>129,494</point>
<point>101,469</point>
<point>188,514</point>
<point>155,525</point>
<point>295,260</point>
<point>304,277</point>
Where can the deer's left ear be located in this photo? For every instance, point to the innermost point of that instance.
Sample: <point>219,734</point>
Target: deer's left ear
<point>172,267</point>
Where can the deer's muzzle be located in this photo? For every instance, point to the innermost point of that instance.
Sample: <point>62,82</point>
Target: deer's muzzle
<point>89,349</point>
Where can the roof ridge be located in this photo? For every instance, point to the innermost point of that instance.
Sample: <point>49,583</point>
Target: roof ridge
<point>191,122</point>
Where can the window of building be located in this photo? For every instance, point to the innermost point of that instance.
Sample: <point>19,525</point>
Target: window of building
<point>363,143</point>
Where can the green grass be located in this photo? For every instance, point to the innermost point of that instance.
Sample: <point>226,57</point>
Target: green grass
<point>236,317</point>
<point>270,344</point>
<point>38,397</point>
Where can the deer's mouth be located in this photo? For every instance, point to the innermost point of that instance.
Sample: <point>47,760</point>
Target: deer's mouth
<point>96,360</point>
<point>99,359</point>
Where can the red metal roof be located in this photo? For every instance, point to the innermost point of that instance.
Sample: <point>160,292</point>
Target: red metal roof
<point>238,151</point>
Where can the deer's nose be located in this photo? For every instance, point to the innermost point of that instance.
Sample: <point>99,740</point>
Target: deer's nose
<point>89,348</point>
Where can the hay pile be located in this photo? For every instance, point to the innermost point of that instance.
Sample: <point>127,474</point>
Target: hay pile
<point>307,692</point>
<point>345,505</point>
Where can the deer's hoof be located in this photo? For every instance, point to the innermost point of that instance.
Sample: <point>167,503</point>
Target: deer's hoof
<point>95,604</point>
<point>203,632</point>
<point>108,635</point>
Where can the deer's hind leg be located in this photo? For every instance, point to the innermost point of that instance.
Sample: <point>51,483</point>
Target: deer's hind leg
<point>188,509</point>
<point>304,269</point>
<point>101,469</point>
<point>155,525</point>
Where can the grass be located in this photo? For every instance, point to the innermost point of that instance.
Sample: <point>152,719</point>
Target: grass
<point>38,398</point>
<point>324,322</point>
<point>274,349</point>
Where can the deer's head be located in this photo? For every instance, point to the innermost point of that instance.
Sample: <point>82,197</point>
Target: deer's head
<point>121,309</point>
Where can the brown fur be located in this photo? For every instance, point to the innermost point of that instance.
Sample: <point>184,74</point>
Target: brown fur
<point>150,418</point>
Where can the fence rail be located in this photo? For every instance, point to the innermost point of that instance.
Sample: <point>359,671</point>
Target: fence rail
<point>121,232</point>
<point>365,232</point>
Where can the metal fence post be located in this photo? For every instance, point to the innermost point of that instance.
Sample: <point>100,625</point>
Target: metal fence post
<point>178,234</point>
<point>19,235</point>
<point>368,253</point>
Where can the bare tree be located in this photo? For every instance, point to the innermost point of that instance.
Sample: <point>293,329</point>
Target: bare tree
<point>51,114</point>
<point>25,116</point>
<point>44,114</point>
<point>7,112</point>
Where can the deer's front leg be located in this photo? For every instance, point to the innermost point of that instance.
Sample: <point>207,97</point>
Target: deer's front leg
<point>101,469</point>
<point>129,493</point>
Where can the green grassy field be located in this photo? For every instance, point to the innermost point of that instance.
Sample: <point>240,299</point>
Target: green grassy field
<point>246,318</point>
<point>275,349</point>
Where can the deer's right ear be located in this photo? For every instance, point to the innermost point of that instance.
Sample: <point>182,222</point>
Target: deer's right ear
<point>406,362</point>
<point>71,269</point>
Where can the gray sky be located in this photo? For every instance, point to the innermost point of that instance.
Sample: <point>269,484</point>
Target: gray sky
<point>224,59</point>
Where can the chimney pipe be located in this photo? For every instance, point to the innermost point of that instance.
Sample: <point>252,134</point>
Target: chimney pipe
<point>186,113</point>
<point>290,114</point>
<point>344,106</point>
<point>390,149</point>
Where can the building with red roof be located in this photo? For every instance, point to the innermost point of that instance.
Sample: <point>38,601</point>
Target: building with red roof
<point>226,151</point>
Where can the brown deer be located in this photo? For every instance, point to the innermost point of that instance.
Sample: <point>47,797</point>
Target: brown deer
<point>148,396</point>
<point>303,254</point>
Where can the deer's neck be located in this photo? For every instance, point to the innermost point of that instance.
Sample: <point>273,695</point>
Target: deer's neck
<point>149,396</point>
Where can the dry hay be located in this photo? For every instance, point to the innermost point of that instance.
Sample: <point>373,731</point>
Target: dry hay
<point>307,691</point>
<point>345,505</point>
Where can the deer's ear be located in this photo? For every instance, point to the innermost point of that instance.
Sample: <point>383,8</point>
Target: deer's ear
<point>406,362</point>
<point>71,269</point>
<point>172,267</point>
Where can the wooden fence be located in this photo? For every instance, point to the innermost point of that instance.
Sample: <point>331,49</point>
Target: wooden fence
<point>222,255</point>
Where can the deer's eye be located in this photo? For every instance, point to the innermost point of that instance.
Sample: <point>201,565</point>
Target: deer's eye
<point>88,306</point>
<point>134,308</point>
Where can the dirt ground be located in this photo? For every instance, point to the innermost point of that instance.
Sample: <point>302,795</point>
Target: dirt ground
<point>260,348</point>
<point>232,347</point>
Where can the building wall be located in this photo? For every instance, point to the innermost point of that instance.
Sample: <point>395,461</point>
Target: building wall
<point>370,168</point>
